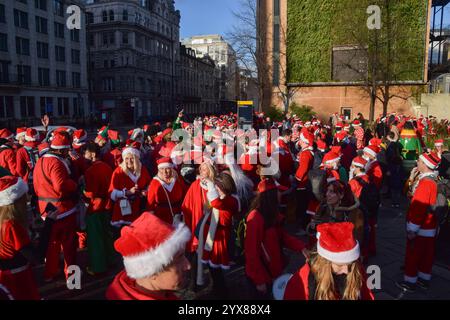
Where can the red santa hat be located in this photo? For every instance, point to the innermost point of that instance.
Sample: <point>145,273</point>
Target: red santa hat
<point>330,158</point>
<point>336,242</point>
<point>43,148</point>
<point>31,135</point>
<point>321,145</point>
<point>307,137</point>
<point>356,123</point>
<point>372,150</point>
<point>60,141</point>
<point>337,150</point>
<point>431,160</point>
<point>439,143</point>
<point>341,135</point>
<point>131,150</point>
<point>266,185</point>
<point>375,142</point>
<point>339,125</point>
<point>347,127</point>
<point>11,189</point>
<point>149,245</point>
<point>79,138</point>
<point>21,132</point>
<point>359,162</point>
<point>164,163</point>
<point>6,134</point>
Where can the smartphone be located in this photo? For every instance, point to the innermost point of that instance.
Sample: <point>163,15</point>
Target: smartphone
<point>50,207</point>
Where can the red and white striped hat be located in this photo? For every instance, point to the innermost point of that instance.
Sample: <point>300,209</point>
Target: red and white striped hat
<point>336,242</point>
<point>11,189</point>
<point>359,162</point>
<point>31,135</point>
<point>431,160</point>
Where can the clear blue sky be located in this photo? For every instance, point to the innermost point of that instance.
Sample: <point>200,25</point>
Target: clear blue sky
<point>206,16</point>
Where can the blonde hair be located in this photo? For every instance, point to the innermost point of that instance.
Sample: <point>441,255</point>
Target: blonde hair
<point>323,274</point>
<point>212,172</point>
<point>16,211</point>
<point>136,162</point>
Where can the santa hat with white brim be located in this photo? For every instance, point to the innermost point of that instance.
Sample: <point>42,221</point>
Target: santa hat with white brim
<point>11,189</point>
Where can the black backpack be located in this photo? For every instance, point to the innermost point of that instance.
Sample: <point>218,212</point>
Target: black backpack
<point>369,198</point>
<point>441,208</point>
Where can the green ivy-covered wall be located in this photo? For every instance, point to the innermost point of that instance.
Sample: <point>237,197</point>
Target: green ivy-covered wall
<point>315,26</point>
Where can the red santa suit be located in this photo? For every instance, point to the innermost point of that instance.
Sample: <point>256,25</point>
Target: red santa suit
<point>217,229</point>
<point>264,260</point>
<point>52,183</point>
<point>165,200</point>
<point>306,161</point>
<point>121,181</point>
<point>420,251</point>
<point>192,208</point>
<point>286,161</point>
<point>24,163</point>
<point>356,186</point>
<point>19,280</point>
<point>8,158</point>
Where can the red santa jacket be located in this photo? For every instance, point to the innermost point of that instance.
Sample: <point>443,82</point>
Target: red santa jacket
<point>52,183</point>
<point>8,159</point>
<point>24,164</point>
<point>97,178</point>
<point>227,208</point>
<point>157,199</point>
<point>419,219</point>
<point>297,287</point>
<point>79,164</point>
<point>306,161</point>
<point>192,208</point>
<point>124,288</point>
<point>286,161</point>
<point>120,181</point>
<point>264,260</point>
<point>375,173</point>
<point>356,186</point>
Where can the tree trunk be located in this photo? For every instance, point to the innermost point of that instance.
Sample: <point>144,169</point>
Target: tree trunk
<point>385,100</point>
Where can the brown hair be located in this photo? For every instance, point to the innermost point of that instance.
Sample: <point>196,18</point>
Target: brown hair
<point>16,211</point>
<point>226,183</point>
<point>323,274</point>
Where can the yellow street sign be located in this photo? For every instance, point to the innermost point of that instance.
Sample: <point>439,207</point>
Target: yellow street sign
<point>245,103</point>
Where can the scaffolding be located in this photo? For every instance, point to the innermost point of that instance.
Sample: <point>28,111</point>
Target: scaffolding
<point>438,38</point>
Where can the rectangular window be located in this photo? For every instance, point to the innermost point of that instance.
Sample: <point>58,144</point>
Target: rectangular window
<point>59,30</point>
<point>76,79</point>
<point>276,8</point>
<point>75,56</point>
<point>46,105</point>
<point>112,39</point>
<point>60,54</point>
<point>125,15</point>
<point>63,106</point>
<point>125,37</point>
<point>2,13</point>
<point>20,19</point>
<point>44,77</point>
<point>60,78</point>
<point>6,107</point>
<point>24,74</point>
<point>111,15</point>
<point>41,25</point>
<point>3,42</point>
<point>27,107</point>
<point>347,113</point>
<point>4,71</point>
<point>58,8</point>
<point>22,46</point>
<point>91,40</point>
<point>104,16</point>
<point>42,50</point>
<point>40,4</point>
<point>75,35</point>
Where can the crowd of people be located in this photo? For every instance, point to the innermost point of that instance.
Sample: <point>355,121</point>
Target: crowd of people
<point>175,199</point>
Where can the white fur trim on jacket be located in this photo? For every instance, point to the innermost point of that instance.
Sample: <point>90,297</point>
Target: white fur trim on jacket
<point>370,151</point>
<point>153,261</point>
<point>12,193</point>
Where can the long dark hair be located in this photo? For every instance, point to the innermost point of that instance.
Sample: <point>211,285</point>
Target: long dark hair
<point>267,205</point>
